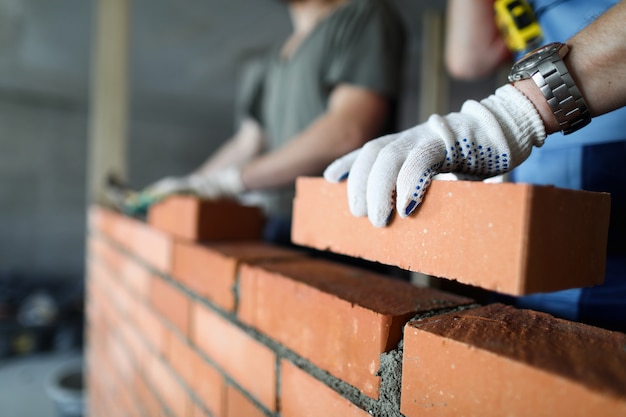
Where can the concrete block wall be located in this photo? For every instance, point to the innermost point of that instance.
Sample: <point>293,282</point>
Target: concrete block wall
<point>178,327</point>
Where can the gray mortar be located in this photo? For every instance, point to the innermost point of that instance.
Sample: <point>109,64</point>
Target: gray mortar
<point>390,373</point>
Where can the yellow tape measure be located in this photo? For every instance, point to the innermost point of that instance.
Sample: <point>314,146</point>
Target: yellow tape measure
<point>518,25</point>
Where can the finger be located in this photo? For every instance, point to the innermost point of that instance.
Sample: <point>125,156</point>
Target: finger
<point>382,181</point>
<point>338,170</point>
<point>359,173</point>
<point>415,175</point>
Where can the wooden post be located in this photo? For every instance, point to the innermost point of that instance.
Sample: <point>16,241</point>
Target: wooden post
<point>434,81</point>
<point>434,88</point>
<point>108,114</point>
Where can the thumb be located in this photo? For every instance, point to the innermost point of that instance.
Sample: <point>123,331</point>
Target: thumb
<point>338,170</point>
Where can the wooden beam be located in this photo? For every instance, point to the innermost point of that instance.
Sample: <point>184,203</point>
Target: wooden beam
<point>434,81</point>
<point>108,115</point>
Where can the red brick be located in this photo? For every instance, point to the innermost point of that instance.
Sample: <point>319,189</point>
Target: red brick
<point>103,285</point>
<point>121,359</point>
<point>102,219</point>
<point>170,391</point>
<point>496,360</point>
<point>211,270</point>
<point>150,327</point>
<point>151,245</point>
<point>147,398</point>
<point>191,218</point>
<point>180,357</point>
<point>208,385</point>
<point>101,251</point>
<point>134,275</point>
<point>118,295</point>
<point>247,361</point>
<point>512,238</point>
<point>197,411</point>
<point>340,318</point>
<point>136,347</point>
<point>171,303</point>
<point>304,396</point>
<point>238,405</point>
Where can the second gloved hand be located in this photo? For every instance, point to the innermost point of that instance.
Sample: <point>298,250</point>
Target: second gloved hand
<point>219,184</point>
<point>224,183</point>
<point>484,139</point>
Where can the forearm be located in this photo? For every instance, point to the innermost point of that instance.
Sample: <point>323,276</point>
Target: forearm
<point>474,46</point>
<point>596,62</point>
<point>247,143</point>
<point>329,137</point>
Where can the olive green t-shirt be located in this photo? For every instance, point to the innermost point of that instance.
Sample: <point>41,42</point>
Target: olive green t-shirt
<point>361,43</point>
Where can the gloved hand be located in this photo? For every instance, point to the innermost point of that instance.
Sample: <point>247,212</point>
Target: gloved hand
<point>484,139</point>
<point>224,183</point>
<point>168,186</point>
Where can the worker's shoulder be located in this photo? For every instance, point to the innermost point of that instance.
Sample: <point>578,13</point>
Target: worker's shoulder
<point>356,16</point>
<point>366,8</point>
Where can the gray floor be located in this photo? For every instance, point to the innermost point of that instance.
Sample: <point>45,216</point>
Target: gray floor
<point>23,383</point>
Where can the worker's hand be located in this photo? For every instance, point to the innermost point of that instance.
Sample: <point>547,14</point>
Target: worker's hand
<point>137,203</point>
<point>223,183</point>
<point>484,139</point>
<point>167,186</point>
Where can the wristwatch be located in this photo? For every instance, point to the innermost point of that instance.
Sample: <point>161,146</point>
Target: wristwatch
<point>546,67</point>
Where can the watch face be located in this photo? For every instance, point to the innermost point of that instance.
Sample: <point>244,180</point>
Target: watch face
<point>521,69</point>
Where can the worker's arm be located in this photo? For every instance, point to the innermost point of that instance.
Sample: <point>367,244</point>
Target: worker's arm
<point>596,61</point>
<point>485,138</point>
<point>247,142</point>
<point>354,115</point>
<point>474,46</point>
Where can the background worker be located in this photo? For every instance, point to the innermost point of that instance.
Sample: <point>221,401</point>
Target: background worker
<point>497,134</point>
<point>330,87</point>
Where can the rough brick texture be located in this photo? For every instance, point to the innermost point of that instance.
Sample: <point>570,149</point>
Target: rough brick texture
<point>211,270</point>
<point>497,360</point>
<point>195,219</point>
<point>511,238</point>
<point>304,396</point>
<point>238,354</point>
<point>208,385</point>
<point>150,245</point>
<point>239,405</point>
<point>173,304</point>
<point>340,318</point>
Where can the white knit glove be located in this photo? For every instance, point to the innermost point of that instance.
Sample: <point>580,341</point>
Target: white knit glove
<point>167,186</point>
<point>224,183</point>
<point>484,139</point>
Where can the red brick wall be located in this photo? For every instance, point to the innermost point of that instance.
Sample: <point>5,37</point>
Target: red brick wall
<point>179,328</point>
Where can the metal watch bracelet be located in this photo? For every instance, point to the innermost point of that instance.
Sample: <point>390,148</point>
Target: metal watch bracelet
<point>563,96</point>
